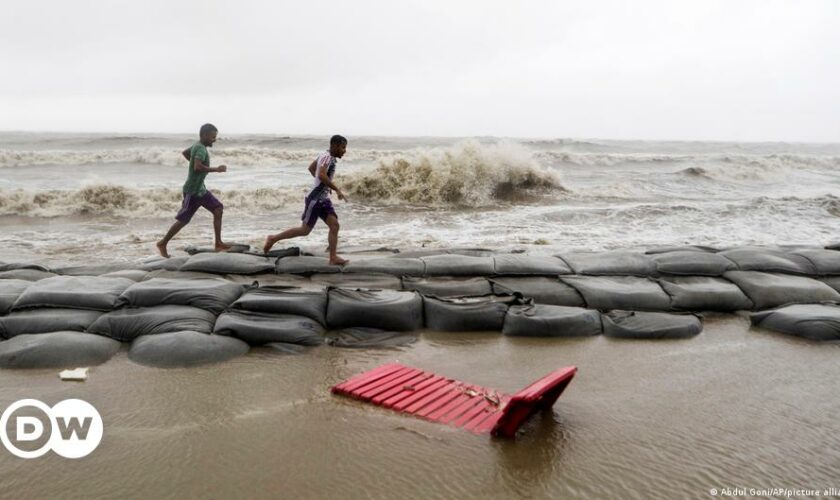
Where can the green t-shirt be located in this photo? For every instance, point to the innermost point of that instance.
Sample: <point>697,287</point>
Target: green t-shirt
<point>195,180</point>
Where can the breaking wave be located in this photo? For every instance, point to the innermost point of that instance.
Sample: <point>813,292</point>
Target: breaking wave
<point>466,174</point>
<point>771,161</point>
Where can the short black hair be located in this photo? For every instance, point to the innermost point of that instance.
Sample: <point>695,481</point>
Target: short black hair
<point>337,140</point>
<point>207,128</point>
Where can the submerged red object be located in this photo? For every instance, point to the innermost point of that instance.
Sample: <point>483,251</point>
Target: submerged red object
<point>440,399</point>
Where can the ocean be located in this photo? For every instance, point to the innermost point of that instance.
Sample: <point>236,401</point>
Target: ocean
<point>76,197</point>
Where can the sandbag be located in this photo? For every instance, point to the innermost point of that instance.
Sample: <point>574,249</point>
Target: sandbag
<point>462,314</point>
<point>385,309</point>
<point>650,325</point>
<point>550,291</point>
<point>767,290</point>
<point>679,248</point>
<point>56,350</point>
<point>213,295</point>
<point>192,275</point>
<point>825,262</point>
<point>26,274</point>
<point>76,292</point>
<point>620,292</point>
<point>458,265</point>
<point>305,265</point>
<point>92,269</point>
<point>129,323</point>
<point>692,263</point>
<point>134,275</point>
<point>370,337</point>
<point>810,321</point>
<point>17,266</point>
<point>284,300</point>
<point>185,348</point>
<point>46,321</point>
<point>448,287</point>
<point>529,265</point>
<point>702,293</point>
<point>234,248</point>
<point>769,260</point>
<point>279,253</point>
<point>619,263</point>
<point>387,265</point>
<point>10,290</point>
<point>538,320</point>
<point>428,252</point>
<point>346,280</point>
<point>279,280</point>
<point>258,328</point>
<point>227,263</point>
<point>157,263</point>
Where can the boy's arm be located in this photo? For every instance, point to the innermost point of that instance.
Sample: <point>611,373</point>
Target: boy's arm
<point>322,176</point>
<point>312,167</point>
<point>199,166</point>
<point>186,153</point>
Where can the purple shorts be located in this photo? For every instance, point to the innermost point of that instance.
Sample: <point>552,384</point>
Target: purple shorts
<point>317,208</point>
<point>193,202</point>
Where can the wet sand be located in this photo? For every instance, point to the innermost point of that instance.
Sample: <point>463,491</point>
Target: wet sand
<point>732,407</point>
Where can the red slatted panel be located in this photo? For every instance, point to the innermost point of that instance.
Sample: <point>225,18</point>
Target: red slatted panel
<point>440,399</point>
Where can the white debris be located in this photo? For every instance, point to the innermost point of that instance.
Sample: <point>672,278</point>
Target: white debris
<point>77,374</point>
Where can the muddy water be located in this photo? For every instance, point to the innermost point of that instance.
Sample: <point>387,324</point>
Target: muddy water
<point>733,407</point>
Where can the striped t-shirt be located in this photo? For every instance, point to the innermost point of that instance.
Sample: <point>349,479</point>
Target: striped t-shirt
<point>325,161</point>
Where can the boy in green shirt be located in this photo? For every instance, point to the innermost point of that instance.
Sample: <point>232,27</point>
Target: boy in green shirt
<point>195,193</point>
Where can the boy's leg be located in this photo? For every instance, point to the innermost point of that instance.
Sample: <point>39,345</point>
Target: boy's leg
<point>188,208</point>
<point>332,239</point>
<point>294,232</point>
<point>161,245</point>
<point>215,206</point>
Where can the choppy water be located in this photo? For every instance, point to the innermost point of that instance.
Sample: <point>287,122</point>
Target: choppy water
<point>112,196</point>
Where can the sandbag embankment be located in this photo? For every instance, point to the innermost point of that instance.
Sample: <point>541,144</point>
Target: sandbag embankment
<point>768,290</point>
<point>387,265</point>
<point>213,295</point>
<point>620,263</point>
<point>62,349</point>
<point>650,325</point>
<point>10,290</point>
<point>228,263</point>
<point>704,293</point>
<point>463,314</point>
<point>692,263</point>
<point>529,265</point>
<point>305,265</point>
<point>458,265</point>
<point>184,348</point>
<point>538,320</point>
<point>283,300</point>
<point>810,321</point>
<point>448,286</point>
<point>769,260</point>
<point>258,328</point>
<point>131,322</point>
<point>46,320</point>
<point>383,309</point>
<point>76,292</point>
<point>542,290</point>
<point>620,292</point>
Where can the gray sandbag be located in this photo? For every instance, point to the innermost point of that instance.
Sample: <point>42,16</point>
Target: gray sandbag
<point>157,263</point>
<point>346,280</point>
<point>76,292</point>
<point>387,265</point>
<point>542,290</point>
<point>10,290</point>
<point>185,348</point>
<point>448,287</point>
<point>529,265</point>
<point>538,320</point>
<point>768,260</point>
<point>385,309</point>
<point>134,275</point>
<point>305,265</point>
<point>825,262</point>
<point>681,248</point>
<point>619,263</point>
<point>278,253</point>
<point>131,322</point>
<point>767,290</point>
<point>810,321</point>
<point>428,252</point>
<point>285,300</point>
<point>463,314</point>
<point>692,263</point>
<point>258,328</point>
<point>193,275</point>
<point>92,269</point>
<point>16,266</point>
<point>26,274</point>
<point>228,263</point>
<point>271,279</point>
<point>704,293</point>
<point>234,248</point>
<point>56,350</point>
<point>650,325</point>
<point>46,321</point>
<point>213,295</point>
<point>620,292</point>
<point>458,265</point>
<point>832,281</point>
<point>370,337</point>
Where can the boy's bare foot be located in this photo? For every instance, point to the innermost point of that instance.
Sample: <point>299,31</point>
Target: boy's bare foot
<point>222,247</point>
<point>338,261</point>
<point>269,242</point>
<point>162,249</point>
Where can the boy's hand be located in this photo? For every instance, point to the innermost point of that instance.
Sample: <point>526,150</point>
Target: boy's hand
<point>221,168</point>
<point>340,195</point>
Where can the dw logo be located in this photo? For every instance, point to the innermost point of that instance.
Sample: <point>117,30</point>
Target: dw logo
<point>72,428</point>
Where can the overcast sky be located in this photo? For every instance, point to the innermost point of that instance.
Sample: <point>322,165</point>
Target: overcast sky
<point>729,70</point>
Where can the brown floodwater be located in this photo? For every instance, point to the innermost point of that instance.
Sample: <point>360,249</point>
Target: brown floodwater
<point>732,407</point>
